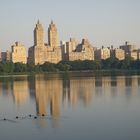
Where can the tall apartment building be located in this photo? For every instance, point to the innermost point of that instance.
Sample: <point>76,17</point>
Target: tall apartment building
<point>6,56</point>
<point>130,51</point>
<point>42,52</point>
<point>133,55</point>
<point>19,53</point>
<point>128,47</point>
<point>119,53</point>
<point>102,54</point>
<point>82,51</point>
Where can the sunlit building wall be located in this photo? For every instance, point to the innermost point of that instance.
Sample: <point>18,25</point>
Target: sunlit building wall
<point>19,53</point>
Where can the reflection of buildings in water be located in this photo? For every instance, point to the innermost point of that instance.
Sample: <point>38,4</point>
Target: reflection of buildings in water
<point>31,84</point>
<point>48,94</point>
<point>55,107</point>
<point>55,103</point>
<point>87,90</point>
<point>98,85</point>
<point>102,85</point>
<point>138,80</point>
<point>134,81</point>
<point>1,88</point>
<point>20,91</point>
<point>131,83</point>
<point>78,90</point>
<point>102,81</point>
<point>120,81</point>
<point>5,88</point>
<point>128,81</point>
<point>41,97</point>
<point>107,82</point>
<point>134,84</point>
<point>113,81</point>
<point>66,92</point>
<point>124,82</point>
<point>120,85</point>
<point>98,81</point>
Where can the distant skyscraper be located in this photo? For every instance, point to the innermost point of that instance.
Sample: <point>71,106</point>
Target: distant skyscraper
<point>39,35</point>
<point>42,52</point>
<point>53,35</point>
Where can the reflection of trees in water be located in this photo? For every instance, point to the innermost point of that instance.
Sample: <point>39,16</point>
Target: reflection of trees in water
<point>48,95</point>
<point>20,92</point>
<point>78,90</point>
<point>50,91</point>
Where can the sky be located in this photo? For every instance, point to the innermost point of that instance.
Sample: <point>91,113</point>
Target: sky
<point>103,22</point>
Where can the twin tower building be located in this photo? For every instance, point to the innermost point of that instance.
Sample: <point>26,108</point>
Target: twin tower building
<point>42,52</point>
<point>52,51</point>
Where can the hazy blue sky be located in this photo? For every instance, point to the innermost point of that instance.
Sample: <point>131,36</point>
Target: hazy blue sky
<point>103,22</point>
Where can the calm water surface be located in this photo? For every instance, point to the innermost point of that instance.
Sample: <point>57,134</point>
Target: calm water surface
<point>75,107</point>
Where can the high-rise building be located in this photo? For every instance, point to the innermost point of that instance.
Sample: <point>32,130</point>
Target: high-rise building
<point>133,55</point>
<point>83,51</point>
<point>119,54</point>
<point>42,52</point>
<point>6,56</point>
<point>53,35</point>
<point>128,47</point>
<point>71,45</point>
<point>39,35</point>
<point>19,53</point>
<point>36,52</point>
<point>102,53</point>
<point>130,51</point>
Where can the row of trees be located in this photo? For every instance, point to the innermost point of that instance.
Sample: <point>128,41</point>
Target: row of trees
<point>109,64</point>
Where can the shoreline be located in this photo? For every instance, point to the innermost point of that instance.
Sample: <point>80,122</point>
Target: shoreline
<point>88,72</point>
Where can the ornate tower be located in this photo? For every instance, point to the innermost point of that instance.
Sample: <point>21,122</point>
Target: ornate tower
<point>39,35</point>
<point>52,35</point>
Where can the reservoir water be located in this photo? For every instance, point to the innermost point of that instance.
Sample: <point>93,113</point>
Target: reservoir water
<point>70,107</point>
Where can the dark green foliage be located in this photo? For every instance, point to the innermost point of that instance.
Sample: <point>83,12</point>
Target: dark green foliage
<point>111,63</point>
<point>48,67</point>
<point>19,67</point>
<point>6,67</point>
<point>78,65</point>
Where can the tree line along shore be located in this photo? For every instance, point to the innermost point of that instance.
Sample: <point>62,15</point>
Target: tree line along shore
<point>78,65</point>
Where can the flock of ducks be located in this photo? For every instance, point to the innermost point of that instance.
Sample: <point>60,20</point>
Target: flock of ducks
<point>30,116</point>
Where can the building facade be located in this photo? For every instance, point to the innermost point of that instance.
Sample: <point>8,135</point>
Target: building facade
<point>6,56</point>
<point>42,52</point>
<point>128,47</point>
<point>102,54</point>
<point>75,51</point>
<point>19,53</point>
<point>119,53</point>
<point>133,55</point>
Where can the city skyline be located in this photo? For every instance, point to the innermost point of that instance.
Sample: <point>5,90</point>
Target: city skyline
<point>103,23</point>
<point>42,52</point>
